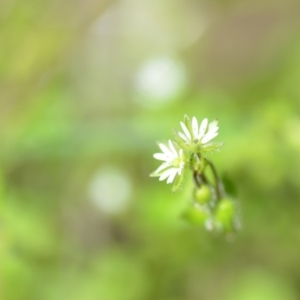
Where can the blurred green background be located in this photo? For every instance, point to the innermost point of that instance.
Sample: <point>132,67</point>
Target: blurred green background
<point>87,88</point>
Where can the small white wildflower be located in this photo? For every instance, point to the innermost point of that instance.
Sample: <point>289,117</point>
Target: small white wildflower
<point>202,134</point>
<point>173,162</point>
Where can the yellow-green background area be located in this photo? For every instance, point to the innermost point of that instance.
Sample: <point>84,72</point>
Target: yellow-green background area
<point>80,218</point>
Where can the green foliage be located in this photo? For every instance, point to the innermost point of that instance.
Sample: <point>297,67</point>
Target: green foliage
<point>69,109</point>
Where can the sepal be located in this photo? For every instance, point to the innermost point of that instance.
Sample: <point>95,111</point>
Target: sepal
<point>178,182</point>
<point>211,147</point>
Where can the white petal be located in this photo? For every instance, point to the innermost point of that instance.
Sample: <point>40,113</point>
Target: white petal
<point>180,153</point>
<point>161,167</point>
<point>212,131</point>
<point>195,127</point>
<point>165,149</point>
<point>172,176</point>
<point>161,156</point>
<point>186,131</point>
<point>166,174</point>
<point>183,136</point>
<point>171,146</point>
<point>213,126</point>
<point>180,169</point>
<point>209,136</point>
<point>202,128</point>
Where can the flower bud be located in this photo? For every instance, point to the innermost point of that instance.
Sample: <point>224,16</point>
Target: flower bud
<point>203,194</point>
<point>196,215</point>
<point>225,214</point>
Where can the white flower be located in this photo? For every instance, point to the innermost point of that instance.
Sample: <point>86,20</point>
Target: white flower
<point>173,162</point>
<point>199,134</point>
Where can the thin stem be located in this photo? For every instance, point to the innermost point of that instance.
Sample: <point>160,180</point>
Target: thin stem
<point>218,183</point>
<point>203,178</point>
<point>196,178</point>
<point>199,178</point>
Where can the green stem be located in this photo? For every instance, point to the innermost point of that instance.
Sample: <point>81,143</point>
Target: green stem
<point>199,178</point>
<point>218,183</point>
<point>196,178</point>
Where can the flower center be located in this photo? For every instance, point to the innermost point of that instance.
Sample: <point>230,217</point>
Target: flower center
<point>177,162</point>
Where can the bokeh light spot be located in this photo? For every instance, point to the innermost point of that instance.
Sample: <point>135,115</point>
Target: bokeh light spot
<point>160,80</point>
<point>110,190</point>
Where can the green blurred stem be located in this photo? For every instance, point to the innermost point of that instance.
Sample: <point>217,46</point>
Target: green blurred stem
<point>199,178</point>
<point>218,183</point>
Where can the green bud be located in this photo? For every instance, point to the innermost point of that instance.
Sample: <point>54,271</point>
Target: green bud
<point>225,214</point>
<point>196,215</point>
<point>203,194</point>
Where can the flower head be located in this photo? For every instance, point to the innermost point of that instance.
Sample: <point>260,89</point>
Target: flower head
<point>203,134</point>
<point>196,137</point>
<point>173,162</point>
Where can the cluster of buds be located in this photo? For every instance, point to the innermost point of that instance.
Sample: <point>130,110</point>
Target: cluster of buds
<point>210,205</point>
